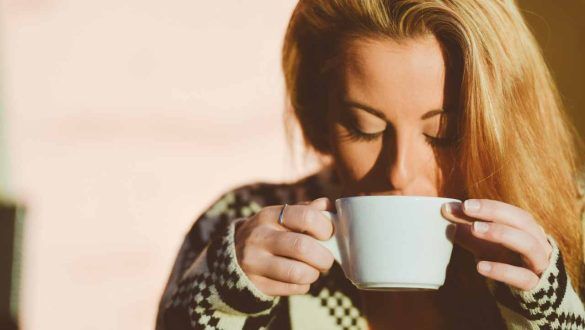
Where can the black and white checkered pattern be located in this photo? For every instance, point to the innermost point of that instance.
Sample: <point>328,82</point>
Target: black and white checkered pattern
<point>340,307</point>
<point>194,293</point>
<point>222,281</point>
<point>543,305</point>
<point>200,300</point>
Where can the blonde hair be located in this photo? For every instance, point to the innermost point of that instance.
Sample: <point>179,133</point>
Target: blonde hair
<point>516,144</point>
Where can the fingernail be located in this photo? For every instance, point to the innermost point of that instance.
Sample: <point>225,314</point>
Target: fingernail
<point>484,267</point>
<point>447,208</point>
<point>471,205</point>
<point>480,227</point>
<point>451,207</point>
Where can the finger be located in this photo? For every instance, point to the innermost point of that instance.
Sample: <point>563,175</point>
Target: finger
<point>500,212</point>
<point>505,214</point>
<point>277,288</point>
<point>516,240</point>
<point>483,249</point>
<point>302,248</point>
<point>284,270</point>
<point>307,219</point>
<point>518,277</point>
<point>322,204</point>
<point>453,212</point>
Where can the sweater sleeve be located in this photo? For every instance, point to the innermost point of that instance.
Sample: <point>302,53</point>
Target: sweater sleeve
<point>552,304</point>
<point>207,288</point>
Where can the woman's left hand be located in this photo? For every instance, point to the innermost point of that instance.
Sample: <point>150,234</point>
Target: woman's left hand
<point>509,244</point>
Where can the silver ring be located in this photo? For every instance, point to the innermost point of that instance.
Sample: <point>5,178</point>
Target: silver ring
<point>281,216</point>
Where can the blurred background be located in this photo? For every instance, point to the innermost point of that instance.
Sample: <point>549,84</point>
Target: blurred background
<point>121,121</point>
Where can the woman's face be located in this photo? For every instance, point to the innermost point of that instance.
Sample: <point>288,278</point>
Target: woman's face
<point>389,116</point>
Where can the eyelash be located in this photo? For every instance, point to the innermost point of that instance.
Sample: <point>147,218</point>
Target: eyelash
<point>357,135</point>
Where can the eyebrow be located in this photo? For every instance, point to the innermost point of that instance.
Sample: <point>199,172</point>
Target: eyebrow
<point>381,115</point>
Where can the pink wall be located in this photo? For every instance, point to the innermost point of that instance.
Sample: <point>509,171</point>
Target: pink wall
<point>125,120</point>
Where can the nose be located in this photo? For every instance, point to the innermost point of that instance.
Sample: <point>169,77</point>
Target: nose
<point>402,162</point>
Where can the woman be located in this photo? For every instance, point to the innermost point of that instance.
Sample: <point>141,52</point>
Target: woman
<point>437,98</point>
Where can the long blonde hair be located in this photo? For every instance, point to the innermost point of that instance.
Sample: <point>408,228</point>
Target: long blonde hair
<point>516,143</point>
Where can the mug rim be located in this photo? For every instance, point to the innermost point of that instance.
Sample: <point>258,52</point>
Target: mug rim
<point>411,197</point>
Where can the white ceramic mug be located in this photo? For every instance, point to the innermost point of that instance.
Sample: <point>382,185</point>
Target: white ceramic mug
<point>392,242</point>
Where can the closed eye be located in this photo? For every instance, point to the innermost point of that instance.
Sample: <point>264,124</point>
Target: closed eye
<point>437,142</point>
<point>357,135</point>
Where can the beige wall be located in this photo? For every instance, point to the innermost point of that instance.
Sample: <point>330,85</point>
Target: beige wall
<point>126,118</point>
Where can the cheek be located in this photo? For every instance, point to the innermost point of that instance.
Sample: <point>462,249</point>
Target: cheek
<point>355,158</point>
<point>358,158</point>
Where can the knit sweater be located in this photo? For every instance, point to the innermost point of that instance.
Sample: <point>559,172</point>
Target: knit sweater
<point>207,289</point>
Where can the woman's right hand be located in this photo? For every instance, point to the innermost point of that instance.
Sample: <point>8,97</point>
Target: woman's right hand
<point>285,260</point>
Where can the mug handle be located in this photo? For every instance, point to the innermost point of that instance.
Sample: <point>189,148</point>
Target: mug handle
<point>331,244</point>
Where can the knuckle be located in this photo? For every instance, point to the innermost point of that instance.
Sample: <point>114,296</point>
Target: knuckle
<point>262,213</point>
<point>314,275</point>
<point>502,234</point>
<point>300,245</point>
<point>323,228</point>
<point>300,288</point>
<point>329,229</point>
<point>242,238</point>
<point>485,207</point>
<point>324,259</point>
<point>540,269</point>
<point>534,282</point>
<point>293,273</point>
<point>542,265</point>
<point>251,238</point>
<point>266,213</point>
<point>306,219</point>
<point>291,288</point>
<point>328,260</point>
<point>533,245</point>
<point>525,221</point>
<point>248,241</point>
<point>530,282</point>
<point>246,260</point>
<point>262,233</point>
<point>495,233</point>
<point>243,230</point>
<point>548,251</point>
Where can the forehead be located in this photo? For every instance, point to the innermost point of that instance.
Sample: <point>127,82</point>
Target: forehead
<point>387,74</point>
